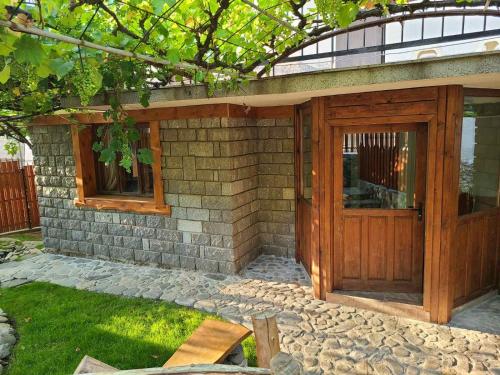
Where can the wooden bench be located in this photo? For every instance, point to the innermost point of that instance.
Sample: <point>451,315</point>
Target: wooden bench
<point>210,343</point>
<point>91,365</point>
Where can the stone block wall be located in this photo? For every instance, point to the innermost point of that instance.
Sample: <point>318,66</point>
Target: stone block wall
<point>276,186</point>
<point>229,182</point>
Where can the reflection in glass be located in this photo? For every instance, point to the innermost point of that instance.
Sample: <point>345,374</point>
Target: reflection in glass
<point>480,155</point>
<point>306,156</point>
<point>115,180</point>
<point>379,170</point>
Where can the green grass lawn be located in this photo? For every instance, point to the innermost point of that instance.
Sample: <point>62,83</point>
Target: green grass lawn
<point>57,326</point>
<point>26,236</point>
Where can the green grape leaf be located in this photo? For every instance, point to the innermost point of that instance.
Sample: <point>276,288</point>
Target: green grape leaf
<point>43,70</point>
<point>107,156</point>
<point>29,50</point>
<point>98,146</point>
<point>5,74</point>
<point>7,42</point>
<point>173,56</point>
<point>126,161</point>
<point>144,99</point>
<point>347,13</point>
<point>145,156</point>
<point>11,147</point>
<point>158,6</point>
<point>60,67</point>
<point>29,104</point>
<point>133,135</point>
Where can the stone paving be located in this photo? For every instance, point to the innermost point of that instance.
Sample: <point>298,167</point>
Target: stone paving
<point>279,269</point>
<point>484,317</point>
<point>326,338</point>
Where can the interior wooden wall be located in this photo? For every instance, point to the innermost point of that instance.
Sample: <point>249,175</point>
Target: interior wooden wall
<point>476,250</point>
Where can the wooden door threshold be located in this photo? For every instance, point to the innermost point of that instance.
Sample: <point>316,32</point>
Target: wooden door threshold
<point>404,310</point>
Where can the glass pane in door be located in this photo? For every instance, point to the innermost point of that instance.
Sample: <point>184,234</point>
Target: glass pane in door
<point>379,170</point>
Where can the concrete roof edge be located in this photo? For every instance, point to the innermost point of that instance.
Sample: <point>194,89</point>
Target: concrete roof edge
<point>319,83</point>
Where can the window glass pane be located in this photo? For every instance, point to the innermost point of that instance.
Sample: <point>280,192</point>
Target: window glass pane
<point>113,179</point>
<point>379,170</point>
<point>480,155</point>
<point>306,156</point>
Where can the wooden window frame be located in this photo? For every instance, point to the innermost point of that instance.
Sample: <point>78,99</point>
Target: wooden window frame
<point>87,195</point>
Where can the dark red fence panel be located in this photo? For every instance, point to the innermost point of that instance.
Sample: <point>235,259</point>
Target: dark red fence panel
<point>18,201</point>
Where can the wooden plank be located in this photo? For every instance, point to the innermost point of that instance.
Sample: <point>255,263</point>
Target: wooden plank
<point>383,97</point>
<point>334,222</point>
<point>404,247</point>
<point>197,370</point>
<point>488,273</point>
<point>397,120</point>
<point>86,139</point>
<point>316,197</point>
<point>91,365</point>
<point>210,343</point>
<point>460,260</point>
<point>373,110</point>
<point>437,193</point>
<point>377,247</point>
<point>386,307</point>
<point>32,200</point>
<point>3,198</point>
<point>172,113</point>
<point>432,131</point>
<point>352,248</point>
<point>123,204</point>
<point>155,144</point>
<point>475,248</point>
<point>77,152</point>
<point>454,116</point>
<point>469,91</point>
<point>267,341</point>
<point>297,139</point>
<point>284,111</point>
<point>326,203</point>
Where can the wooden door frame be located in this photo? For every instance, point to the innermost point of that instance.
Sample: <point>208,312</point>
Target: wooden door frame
<point>443,116</point>
<point>299,199</point>
<point>339,130</point>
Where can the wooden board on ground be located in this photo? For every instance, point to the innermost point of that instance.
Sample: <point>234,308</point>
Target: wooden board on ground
<point>92,365</point>
<point>210,343</point>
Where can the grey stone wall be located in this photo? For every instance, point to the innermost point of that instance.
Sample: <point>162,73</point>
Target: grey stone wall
<point>229,182</point>
<point>276,187</point>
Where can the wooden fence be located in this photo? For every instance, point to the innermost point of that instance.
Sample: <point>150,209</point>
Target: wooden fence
<point>18,202</point>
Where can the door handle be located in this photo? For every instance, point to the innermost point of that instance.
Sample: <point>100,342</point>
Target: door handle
<point>420,211</point>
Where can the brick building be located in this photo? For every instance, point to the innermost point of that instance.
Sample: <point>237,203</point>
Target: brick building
<point>263,171</point>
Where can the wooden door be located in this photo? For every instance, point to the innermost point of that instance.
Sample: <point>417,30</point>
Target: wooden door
<point>379,192</point>
<point>303,180</point>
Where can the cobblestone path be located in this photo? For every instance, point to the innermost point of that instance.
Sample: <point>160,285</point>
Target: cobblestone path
<point>327,338</point>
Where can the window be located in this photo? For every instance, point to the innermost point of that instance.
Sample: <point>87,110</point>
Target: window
<point>480,155</point>
<point>113,179</point>
<point>380,170</point>
<point>111,186</point>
